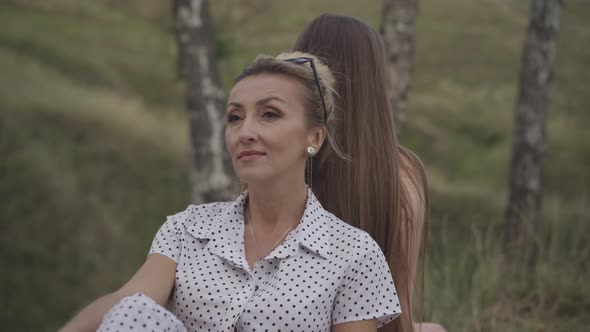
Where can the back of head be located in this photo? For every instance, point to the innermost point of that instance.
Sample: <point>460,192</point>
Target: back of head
<point>351,48</point>
<point>355,54</point>
<point>367,191</point>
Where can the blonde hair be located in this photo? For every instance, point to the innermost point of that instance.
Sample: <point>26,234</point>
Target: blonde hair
<point>265,64</point>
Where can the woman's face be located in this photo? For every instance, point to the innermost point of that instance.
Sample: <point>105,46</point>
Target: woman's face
<point>267,134</point>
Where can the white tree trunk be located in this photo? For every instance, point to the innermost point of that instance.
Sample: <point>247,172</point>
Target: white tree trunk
<point>211,168</point>
<point>528,149</point>
<point>398,27</point>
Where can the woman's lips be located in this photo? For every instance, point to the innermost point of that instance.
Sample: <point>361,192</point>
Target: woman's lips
<point>250,155</point>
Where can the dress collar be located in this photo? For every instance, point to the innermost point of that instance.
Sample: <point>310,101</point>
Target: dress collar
<point>226,232</point>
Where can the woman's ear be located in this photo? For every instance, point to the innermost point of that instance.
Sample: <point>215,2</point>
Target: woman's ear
<point>317,137</point>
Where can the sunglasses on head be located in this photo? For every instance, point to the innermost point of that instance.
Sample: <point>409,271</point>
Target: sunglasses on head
<point>303,60</point>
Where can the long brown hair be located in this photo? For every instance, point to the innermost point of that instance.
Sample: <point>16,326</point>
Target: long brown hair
<point>368,192</point>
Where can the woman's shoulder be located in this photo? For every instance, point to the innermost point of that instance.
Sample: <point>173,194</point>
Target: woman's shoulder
<point>344,235</point>
<point>197,214</point>
<point>414,196</point>
<point>413,176</point>
<point>410,164</point>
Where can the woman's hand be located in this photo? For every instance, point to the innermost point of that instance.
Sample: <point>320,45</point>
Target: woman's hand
<point>428,327</point>
<point>155,279</point>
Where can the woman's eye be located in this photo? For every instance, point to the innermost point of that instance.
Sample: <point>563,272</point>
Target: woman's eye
<point>270,114</point>
<point>233,117</point>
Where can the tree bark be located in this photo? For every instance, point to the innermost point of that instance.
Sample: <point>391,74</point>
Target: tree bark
<point>398,27</point>
<point>528,149</point>
<point>210,164</point>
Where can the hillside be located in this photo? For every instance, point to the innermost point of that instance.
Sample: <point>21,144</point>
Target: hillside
<point>94,149</point>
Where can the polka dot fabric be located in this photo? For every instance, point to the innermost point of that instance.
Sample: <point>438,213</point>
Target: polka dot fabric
<point>324,273</point>
<point>140,313</point>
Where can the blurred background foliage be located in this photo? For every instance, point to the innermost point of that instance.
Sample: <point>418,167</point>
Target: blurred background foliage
<point>94,150</point>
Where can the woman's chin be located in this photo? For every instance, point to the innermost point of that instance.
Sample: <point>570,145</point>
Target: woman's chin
<point>251,177</point>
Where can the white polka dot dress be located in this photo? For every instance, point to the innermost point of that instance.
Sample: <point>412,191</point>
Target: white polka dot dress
<point>326,272</point>
<point>140,313</point>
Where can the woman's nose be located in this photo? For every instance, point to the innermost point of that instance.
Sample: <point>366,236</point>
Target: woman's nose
<point>248,132</point>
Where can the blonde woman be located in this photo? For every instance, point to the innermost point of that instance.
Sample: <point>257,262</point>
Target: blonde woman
<point>273,259</point>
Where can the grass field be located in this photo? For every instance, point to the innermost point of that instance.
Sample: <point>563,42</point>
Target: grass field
<point>94,151</point>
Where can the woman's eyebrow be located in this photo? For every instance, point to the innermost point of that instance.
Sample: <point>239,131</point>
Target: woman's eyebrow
<point>258,103</point>
<point>266,100</point>
<point>235,104</point>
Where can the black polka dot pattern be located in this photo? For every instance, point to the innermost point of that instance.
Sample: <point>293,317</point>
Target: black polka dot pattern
<point>326,272</point>
<point>139,313</point>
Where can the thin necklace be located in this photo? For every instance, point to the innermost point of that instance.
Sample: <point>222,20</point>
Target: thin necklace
<point>254,238</point>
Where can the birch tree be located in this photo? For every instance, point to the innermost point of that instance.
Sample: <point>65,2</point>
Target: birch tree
<point>210,169</point>
<point>398,27</point>
<point>528,148</point>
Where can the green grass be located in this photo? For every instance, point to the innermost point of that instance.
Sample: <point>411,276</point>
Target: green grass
<point>79,198</point>
<point>471,288</point>
<point>94,147</point>
<point>95,48</point>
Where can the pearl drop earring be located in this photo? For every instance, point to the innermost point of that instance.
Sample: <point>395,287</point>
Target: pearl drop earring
<point>310,153</point>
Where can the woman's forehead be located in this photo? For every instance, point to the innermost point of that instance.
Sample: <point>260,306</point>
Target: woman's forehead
<point>253,89</point>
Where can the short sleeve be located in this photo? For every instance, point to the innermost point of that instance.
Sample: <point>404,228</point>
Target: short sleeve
<point>368,291</point>
<point>168,239</point>
<point>139,313</point>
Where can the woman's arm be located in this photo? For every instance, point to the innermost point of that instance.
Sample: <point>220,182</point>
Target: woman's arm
<point>414,181</point>
<point>356,326</point>
<point>155,279</point>
<point>414,221</point>
<point>428,327</point>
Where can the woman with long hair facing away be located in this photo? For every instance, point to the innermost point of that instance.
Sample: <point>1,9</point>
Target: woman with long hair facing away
<point>273,259</point>
<point>382,188</point>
